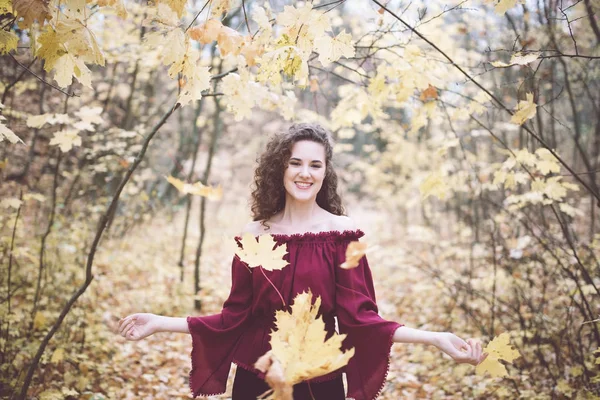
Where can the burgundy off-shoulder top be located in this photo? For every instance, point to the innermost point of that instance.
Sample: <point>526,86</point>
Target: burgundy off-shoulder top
<point>240,332</point>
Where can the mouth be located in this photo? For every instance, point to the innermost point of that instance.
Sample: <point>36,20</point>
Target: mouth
<point>303,185</point>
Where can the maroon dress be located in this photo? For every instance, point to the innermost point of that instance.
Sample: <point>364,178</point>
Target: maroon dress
<point>240,333</point>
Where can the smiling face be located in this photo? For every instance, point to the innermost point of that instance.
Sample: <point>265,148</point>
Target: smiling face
<point>305,171</point>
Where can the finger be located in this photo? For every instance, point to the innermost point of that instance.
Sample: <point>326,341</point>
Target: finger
<point>122,325</point>
<point>128,326</point>
<point>132,323</point>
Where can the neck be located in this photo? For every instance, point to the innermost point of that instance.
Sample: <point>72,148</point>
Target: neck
<point>300,214</point>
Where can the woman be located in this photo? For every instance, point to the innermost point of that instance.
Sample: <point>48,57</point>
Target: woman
<point>304,214</point>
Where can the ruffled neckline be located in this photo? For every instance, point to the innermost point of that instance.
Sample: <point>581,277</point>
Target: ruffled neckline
<point>324,236</point>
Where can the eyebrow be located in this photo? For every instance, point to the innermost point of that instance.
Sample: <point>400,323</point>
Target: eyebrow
<point>297,159</point>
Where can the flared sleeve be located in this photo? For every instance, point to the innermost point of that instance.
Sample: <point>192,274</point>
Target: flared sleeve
<point>216,337</point>
<point>369,334</point>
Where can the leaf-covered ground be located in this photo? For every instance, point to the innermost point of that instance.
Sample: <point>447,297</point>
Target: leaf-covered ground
<point>139,273</point>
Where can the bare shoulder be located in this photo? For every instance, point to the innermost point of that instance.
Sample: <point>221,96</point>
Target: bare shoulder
<point>343,223</point>
<point>254,228</point>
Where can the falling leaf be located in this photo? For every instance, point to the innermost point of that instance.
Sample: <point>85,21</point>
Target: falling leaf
<point>430,93</point>
<point>32,10</point>
<point>525,110</point>
<point>66,139</point>
<point>198,189</point>
<point>354,252</point>
<point>498,349</point>
<point>261,252</point>
<point>298,343</point>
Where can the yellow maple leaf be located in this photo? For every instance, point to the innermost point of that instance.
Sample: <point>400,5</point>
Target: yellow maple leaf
<point>6,133</point>
<point>354,252</point>
<point>207,32</point>
<point>58,355</point>
<point>51,47</point>
<point>39,321</point>
<point>11,202</point>
<point>299,344</point>
<point>66,139</point>
<point>116,4</point>
<point>504,5</point>
<point>251,50</point>
<point>230,41</point>
<point>331,49</point>
<point>198,189</point>
<point>30,11</point>
<point>498,349</point>
<point>526,109</point>
<point>37,121</point>
<point>8,41</point>
<point>89,116</point>
<point>70,38</point>
<point>219,7</point>
<point>433,185</point>
<point>546,162</point>
<point>69,66</point>
<point>196,78</point>
<point>261,252</point>
<point>176,5</point>
<point>5,6</point>
<point>241,93</point>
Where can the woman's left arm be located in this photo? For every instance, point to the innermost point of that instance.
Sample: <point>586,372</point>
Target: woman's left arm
<point>461,351</point>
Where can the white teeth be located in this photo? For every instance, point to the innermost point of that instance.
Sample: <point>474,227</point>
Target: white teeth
<point>303,185</point>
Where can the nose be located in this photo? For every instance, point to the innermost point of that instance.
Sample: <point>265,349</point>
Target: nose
<point>304,171</point>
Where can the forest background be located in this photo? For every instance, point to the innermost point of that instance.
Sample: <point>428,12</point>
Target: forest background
<point>467,145</point>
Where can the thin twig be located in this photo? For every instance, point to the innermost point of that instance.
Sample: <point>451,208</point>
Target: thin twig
<point>246,17</point>
<point>40,79</point>
<point>197,15</point>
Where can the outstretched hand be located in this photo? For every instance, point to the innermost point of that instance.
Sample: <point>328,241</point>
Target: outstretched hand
<point>462,352</point>
<point>137,326</point>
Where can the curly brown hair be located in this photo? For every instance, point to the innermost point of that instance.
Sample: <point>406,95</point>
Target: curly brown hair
<point>268,194</point>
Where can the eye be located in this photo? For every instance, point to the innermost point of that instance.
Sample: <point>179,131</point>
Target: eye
<point>296,163</point>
